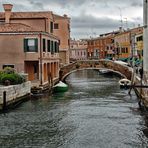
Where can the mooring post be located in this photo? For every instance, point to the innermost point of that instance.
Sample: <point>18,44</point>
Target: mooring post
<point>4,100</point>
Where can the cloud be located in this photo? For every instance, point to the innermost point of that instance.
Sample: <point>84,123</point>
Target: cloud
<point>86,21</point>
<point>87,16</point>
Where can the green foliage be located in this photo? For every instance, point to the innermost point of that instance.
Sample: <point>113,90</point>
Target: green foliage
<point>9,74</point>
<point>8,70</point>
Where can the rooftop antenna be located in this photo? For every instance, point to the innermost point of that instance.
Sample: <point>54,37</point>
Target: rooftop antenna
<point>126,23</point>
<point>121,18</point>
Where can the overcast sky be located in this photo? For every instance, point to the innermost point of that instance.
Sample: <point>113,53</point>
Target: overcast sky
<point>88,17</point>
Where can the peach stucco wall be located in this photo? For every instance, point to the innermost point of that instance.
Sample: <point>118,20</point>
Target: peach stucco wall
<point>12,51</point>
<point>40,23</point>
<point>63,32</point>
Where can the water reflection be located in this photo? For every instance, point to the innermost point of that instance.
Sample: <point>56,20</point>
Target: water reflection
<point>93,113</point>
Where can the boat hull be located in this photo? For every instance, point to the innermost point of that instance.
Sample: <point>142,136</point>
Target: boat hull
<point>125,83</point>
<point>60,89</point>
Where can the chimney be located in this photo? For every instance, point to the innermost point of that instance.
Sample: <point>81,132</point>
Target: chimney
<point>7,8</point>
<point>65,15</point>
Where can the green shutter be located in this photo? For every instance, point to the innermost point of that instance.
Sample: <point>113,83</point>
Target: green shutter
<point>25,45</point>
<point>44,45</point>
<point>52,51</point>
<point>57,47</point>
<point>48,45</point>
<point>36,45</point>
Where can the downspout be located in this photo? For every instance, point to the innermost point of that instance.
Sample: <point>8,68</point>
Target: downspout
<point>145,23</point>
<point>45,20</point>
<point>41,72</point>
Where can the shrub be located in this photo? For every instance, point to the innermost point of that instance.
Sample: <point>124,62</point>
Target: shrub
<point>8,70</point>
<point>9,75</point>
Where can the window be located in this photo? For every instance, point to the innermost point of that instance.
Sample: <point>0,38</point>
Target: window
<point>126,50</point>
<point>8,65</point>
<point>56,46</point>
<point>44,45</point>
<point>51,27</point>
<point>31,45</point>
<point>52,47</point>
<point>140,38</point>
<point>48,45</point>
<point>56,26</point>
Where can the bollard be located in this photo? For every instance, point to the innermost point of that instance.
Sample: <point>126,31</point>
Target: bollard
<point>4,100</point>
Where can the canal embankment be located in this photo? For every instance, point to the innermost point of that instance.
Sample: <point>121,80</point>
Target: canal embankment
<point>141,90</point>
<point>14,94</point>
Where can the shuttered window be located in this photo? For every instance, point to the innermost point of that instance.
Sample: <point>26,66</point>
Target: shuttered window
<point>48,45</point>
<point>31,45</point>
<point>52,47</point>
<point>44,45</point>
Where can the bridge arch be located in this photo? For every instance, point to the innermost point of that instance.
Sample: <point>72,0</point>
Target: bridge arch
<point>123,70</point>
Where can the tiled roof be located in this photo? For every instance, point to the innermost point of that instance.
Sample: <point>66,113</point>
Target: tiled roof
<point>45,14</point>
<point>16,28</point>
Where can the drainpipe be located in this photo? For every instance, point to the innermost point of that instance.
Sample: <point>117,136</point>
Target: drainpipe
<point>41,72</point>
<point>145,55</point>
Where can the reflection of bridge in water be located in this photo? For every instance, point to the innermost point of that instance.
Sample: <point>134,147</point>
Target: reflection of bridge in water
<point>121,69</point>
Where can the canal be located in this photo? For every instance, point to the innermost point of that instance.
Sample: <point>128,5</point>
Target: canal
<point>93,113</point>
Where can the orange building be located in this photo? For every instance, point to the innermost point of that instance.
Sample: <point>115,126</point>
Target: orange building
<point>28,44</point>
<point>101,47</point>
<point>62,30</point>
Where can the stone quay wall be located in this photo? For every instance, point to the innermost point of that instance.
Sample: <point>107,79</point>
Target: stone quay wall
<point>14,93</point>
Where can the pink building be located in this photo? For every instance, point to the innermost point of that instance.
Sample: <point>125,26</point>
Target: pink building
<point>62,30</point>
<point>78,50</point>
<point>28,44</point>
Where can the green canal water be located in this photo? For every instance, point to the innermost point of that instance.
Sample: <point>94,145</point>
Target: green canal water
<point>93,113</point>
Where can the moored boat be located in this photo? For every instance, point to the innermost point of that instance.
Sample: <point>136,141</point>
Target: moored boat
<point>124,83</point>
<point>105,71</point>
<point>60,87</point>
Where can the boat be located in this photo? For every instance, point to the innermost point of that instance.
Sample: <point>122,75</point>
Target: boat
<point>124,83</point>
<point>104,71</point>
<point>60,87</point>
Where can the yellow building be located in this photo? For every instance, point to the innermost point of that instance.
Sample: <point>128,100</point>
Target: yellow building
<point>122,45</point>
<point>139,44</point>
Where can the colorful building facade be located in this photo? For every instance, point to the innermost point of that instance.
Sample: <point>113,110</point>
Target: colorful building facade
<point>99,48</point>
<point>28,44</point>
<point>123,44</point>
<point>78,50</point>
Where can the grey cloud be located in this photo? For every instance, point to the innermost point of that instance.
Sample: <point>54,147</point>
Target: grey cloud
<point>37,4</point>
<point>85,26</point>
<point>136,4</point>
<point>86,21</point>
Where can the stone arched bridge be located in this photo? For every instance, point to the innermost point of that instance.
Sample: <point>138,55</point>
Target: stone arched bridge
<point>95,64</point>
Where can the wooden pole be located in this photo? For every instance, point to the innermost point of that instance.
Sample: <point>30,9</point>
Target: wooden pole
<point>4,100</point>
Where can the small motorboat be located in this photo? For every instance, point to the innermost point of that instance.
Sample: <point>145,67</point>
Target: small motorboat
<point>60,87</point>
<point>124,83</point>
<point>104,71</point>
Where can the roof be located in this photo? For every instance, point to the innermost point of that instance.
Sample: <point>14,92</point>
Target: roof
<point>16,27</point>
<point>45,14</point>
<point>60,17</point>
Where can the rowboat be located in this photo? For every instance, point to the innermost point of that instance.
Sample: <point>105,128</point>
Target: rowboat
<point>124,83</point>
<point>60,87</point>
